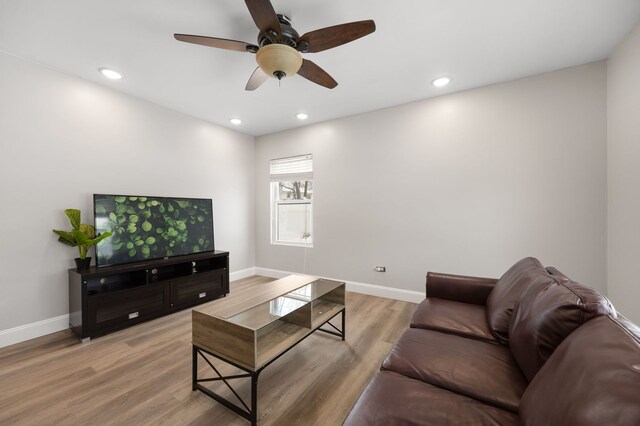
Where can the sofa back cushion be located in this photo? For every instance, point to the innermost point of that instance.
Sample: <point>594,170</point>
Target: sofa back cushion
<point>592,378</point>
<point>506,292</point>
<point>555,273</point>
<point>544,317</point>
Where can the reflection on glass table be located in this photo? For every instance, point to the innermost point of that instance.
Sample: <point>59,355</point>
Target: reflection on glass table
<point>285,305</point>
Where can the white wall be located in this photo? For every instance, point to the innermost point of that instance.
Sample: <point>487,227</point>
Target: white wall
<point>624,176</point>
<point>63,139</point>
<point>467,183</point>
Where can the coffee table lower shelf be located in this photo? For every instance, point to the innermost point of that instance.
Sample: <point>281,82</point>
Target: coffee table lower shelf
<point>249,413</point>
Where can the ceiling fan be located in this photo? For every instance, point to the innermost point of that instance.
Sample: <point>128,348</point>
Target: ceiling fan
<point>279,48</point>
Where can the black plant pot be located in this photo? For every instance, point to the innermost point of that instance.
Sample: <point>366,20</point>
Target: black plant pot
<point>82,264</point>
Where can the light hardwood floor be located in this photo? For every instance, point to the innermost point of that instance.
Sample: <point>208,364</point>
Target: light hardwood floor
<point>142,375</point>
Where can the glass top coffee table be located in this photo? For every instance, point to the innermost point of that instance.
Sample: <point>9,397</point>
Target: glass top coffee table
<point>253,333</point>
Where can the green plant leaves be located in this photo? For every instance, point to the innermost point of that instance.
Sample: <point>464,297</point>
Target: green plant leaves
<point>87,230</point>
<point>82,235</point>
<point>66,238</point>
<point>74,217</point>
<point>146,226</point>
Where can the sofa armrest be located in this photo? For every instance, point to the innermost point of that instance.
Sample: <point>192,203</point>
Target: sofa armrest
<point>460,288</point>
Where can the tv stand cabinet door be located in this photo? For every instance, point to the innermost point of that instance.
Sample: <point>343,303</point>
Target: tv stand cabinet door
<point>198,288</point>
<point>125,307</point>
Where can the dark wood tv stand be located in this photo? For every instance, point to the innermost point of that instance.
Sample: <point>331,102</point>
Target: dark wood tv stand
<point>110,298</point>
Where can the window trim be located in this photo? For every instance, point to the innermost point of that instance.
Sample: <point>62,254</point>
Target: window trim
<point>293,168</point>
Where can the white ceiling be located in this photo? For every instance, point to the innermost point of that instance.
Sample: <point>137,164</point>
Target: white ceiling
<point>475,42</point>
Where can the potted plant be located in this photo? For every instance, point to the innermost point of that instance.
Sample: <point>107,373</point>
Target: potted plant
<point>82,236</point>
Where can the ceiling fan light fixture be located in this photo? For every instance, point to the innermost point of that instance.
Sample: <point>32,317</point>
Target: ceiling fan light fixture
<point>110,74</point>
<point>279,60</point>
<point>441,82</point>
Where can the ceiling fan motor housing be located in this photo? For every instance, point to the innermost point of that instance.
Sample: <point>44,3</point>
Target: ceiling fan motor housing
<point>288,34</point>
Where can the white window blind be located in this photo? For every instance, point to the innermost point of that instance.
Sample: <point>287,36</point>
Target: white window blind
<point>291,169</point>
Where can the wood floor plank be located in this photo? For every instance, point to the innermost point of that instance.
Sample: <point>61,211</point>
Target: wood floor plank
<point>142,375</point>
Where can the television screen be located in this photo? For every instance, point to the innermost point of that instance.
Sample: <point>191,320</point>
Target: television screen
<point>147,228</point>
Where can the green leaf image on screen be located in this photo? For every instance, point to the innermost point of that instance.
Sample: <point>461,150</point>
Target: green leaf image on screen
<point>151,227</point>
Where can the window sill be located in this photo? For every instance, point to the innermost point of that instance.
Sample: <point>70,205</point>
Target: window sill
<point>284,243</point>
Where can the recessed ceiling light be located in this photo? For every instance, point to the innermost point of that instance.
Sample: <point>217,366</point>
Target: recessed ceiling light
<point>111,74</point>
<point>440,82</point>
<point>236,121</point>
<point>302,116</point>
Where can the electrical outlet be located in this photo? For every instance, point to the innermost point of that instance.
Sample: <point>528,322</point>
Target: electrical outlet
<point>381,269</point>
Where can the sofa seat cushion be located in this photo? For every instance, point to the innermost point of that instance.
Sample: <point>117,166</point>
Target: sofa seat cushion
<point>476,369</point>
<point>506,293</point>
<point>543,318</point>
<point>393,399</point>
<point>447,316</point>
<point>592,378</point>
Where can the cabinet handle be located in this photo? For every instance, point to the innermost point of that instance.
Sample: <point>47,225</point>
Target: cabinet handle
<point>201,295</point>
<point>134,315</point>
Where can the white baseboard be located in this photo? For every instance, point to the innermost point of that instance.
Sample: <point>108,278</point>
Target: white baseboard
<point>52,325</point>
<point>356,287</point>
<point>386,292</point>
<point>272,273</point>
<point>244,273</point>
<point>33,330</point>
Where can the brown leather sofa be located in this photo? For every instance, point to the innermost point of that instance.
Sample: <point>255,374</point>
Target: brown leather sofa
<point>532,348</point>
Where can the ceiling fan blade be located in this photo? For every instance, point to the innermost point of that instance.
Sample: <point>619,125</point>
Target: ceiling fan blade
<point>257,78</point>
<point>312,72</point>
<point>220,43</point>
<point>264,15</point>
<point>329,37</point>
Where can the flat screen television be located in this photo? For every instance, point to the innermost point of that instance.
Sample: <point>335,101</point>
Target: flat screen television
<point>146,228</point>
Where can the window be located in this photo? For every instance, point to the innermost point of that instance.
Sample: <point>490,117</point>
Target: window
<point>291,207</point>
